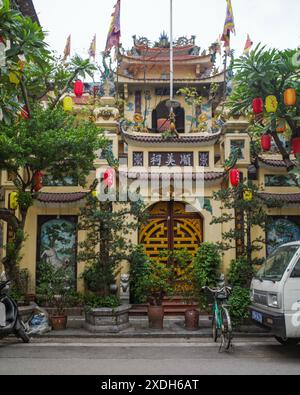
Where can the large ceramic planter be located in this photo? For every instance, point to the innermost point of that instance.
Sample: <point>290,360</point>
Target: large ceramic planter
<point>105,320</point>
<point>59,322</point>
<point>156,317</point>
<point>192,320</point>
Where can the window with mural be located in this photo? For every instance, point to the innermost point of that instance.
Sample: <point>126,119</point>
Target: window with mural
<point>240,145</point>
<point>57,244</point>
<point>282,230</point>
<point>279,180</point>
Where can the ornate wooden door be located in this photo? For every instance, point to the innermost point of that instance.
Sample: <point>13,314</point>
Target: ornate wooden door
<point>171,227</point>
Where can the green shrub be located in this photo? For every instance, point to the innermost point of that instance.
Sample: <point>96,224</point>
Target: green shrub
<point>240,273</point>
<point>207,265</point>
<point>97,277</point>
<point>138,269</point>
<point>97,302</point>
<point>239,303</point>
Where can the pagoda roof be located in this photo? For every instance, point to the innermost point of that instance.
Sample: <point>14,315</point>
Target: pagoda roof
<point>201,139</point>
<point>273,198</point>
<point>273,163</point>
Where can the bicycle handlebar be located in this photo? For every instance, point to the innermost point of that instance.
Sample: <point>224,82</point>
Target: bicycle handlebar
<point>220,290</point>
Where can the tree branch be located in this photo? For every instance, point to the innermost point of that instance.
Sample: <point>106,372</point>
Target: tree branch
<point>25,95</point>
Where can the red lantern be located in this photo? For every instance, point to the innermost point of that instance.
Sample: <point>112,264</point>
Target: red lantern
<point>266,141</point>
<point>258,105</point>
<point>38,181</point>
<point>78,88</point>
<point>108,178</point>
<point>235,177</point>
<point>24,113</point>
<point>296,146</point>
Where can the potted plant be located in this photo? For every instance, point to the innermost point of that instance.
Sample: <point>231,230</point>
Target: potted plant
<point>155,285</point>
<point>55,287</point>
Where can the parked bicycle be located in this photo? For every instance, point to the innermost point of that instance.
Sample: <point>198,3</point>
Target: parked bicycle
<point>221,321</point>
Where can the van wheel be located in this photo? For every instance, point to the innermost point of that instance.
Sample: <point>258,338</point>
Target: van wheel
<point>287,342</point>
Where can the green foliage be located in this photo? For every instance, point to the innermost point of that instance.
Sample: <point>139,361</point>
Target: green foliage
<point>155,283</point>
<point>97,302</point>
<point>54,285</point>
<point>239,303</point>
<point>255,215</point>
<point>240,273</point>
<point>108,240</point>
<point>138,268</point>
<point>207,264</point>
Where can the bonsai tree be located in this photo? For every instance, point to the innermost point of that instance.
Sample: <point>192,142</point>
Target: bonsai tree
<point>261,74</point>
<point>36,135</point>
<point>155,283</point>
<point>108,240</point>
<point>207,264</point>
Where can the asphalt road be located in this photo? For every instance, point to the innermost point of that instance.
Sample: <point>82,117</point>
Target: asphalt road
<point>137,357</point>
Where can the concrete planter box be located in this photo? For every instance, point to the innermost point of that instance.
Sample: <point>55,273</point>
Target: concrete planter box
<point>107,320</point>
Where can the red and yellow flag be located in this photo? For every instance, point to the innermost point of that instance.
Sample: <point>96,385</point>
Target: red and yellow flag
<point>114,34</point>
<point>248,45</point>
<point>229,26</point>
<point>67,50</point>
<point>92,49</point>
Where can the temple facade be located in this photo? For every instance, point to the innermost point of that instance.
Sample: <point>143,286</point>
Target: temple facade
<point>177,173</point>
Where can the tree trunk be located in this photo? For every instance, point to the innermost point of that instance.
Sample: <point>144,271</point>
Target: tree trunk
<point>13,250</point>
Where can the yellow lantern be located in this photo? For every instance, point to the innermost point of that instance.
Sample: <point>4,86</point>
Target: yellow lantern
<point>14,77</point>
<point>248,196</point>
<point>95,194</point>
<point>68,103</point>
<point>271,104</point>
<point>13,201</point>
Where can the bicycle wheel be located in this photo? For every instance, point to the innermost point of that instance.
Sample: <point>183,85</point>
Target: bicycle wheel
<point>227,333</point>
<point>215,329</point>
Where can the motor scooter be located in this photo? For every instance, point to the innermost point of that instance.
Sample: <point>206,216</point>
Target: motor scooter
<point>12,320</point>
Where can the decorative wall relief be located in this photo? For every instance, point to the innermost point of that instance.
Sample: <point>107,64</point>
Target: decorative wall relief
<point>282,231</point>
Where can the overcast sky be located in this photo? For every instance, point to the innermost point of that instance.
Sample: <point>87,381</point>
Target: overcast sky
<point>276,23</point>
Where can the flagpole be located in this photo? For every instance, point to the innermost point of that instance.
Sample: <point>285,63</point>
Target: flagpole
<point>171,55</point>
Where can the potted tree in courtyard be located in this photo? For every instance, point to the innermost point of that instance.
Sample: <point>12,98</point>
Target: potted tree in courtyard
<point>107,245</point>
<point>155,285</point>
<point>55,288</point>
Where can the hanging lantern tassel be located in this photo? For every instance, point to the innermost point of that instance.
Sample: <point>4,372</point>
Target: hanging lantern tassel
<point>235,177</point>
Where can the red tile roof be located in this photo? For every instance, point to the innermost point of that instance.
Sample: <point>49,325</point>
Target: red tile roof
<point>275,162</point>
<point>293,198</point>
<point>182,139</point>
<point>72,197</point>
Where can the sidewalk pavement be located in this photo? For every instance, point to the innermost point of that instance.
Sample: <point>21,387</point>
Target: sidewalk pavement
<point>173,328</point>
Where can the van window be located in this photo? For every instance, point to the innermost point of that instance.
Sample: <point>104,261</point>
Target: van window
<point>296,271</point>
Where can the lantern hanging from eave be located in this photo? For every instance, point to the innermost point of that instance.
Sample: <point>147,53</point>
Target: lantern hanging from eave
<point>235,177</point>
<point>38,181</point>
<point>290,97</point>
<point>78,88</point>
<point>271,104</point>
<point>68,104</point>
<point>14,78</point>
<point>258,105</point>
<point>266,141</point>
<point>296,146</point>
<point>13,201</point>
<point>248,195</point>
<point>281,126</point>
<point>24,113</point>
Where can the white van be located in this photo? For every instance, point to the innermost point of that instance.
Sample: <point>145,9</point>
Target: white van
<point>275,294</point>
